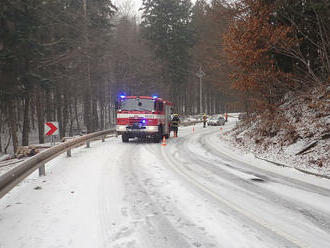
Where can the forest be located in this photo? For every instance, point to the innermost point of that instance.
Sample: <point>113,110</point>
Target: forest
<point>67,60</point>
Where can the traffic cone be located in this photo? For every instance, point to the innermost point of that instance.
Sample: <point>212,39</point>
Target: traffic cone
<point>164,141</point>
<point>193,128</point>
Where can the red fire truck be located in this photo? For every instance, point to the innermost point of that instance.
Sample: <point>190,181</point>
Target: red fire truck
<point>143,117</point>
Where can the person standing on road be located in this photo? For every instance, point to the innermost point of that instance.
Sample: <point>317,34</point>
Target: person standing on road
<point>175,124</point>
<point>204,120</point>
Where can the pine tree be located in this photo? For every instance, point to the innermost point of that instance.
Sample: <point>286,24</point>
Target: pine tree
<point>43,57</point>
<point>166,25</point>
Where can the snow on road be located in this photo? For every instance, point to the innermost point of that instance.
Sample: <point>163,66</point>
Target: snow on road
<point>195,192</point>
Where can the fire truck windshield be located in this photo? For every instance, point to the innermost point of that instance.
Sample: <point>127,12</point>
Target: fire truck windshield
<point>137,105</point>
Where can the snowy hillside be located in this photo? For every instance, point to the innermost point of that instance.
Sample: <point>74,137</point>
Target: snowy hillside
<point>281,136</point>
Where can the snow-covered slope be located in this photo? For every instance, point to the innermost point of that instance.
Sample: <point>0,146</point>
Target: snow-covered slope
<point>283,134</point>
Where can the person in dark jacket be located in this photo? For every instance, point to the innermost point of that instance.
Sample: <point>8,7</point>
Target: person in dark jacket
<point>175,124</point>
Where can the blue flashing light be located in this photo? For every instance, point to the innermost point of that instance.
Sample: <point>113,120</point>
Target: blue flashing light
<point>122,96</point>
<point>144,121</point>
<point>154,97</point>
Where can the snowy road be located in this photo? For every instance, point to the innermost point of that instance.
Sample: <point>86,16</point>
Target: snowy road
<point>195,192</point>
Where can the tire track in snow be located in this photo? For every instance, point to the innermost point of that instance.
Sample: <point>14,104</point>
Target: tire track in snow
<point>190,227</point>
<point>111,218</point>
<point>282,236</point>
<point>248,169</point>
<point>316,216</point>
<point>148,224</point>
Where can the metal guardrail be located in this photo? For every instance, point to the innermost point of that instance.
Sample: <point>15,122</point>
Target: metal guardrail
<point>13,177</point>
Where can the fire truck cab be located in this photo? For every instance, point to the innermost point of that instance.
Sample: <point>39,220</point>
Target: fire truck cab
<point>143,117</point>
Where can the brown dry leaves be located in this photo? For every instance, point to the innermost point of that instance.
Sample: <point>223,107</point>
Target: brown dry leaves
<point>250,43</point>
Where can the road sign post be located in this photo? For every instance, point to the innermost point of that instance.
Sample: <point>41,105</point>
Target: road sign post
<point>52,129</point>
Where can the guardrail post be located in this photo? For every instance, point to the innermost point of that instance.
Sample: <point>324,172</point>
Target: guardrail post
<point>42,170</point>
<point>88,144</point>
<point>68,153</point>
<point>103,138</point>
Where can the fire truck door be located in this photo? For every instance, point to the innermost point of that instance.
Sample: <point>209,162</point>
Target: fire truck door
<point>167,119</point>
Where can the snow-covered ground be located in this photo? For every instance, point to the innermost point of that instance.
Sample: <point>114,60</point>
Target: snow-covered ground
<point>198,191</point>
<point>283,137</point>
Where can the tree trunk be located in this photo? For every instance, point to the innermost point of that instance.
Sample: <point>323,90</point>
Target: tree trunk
<point>49,104</point>
<point>102,105</point>
<point>76,112</point>
<point>71,120</point>
<point>65,117</point>
<point>95,115</point>
<point>26,120</point>
<point>0,133</point>
<point>87,112</point>
<point>2,127</point>
<point>102,114</point>
<point>59,116</point>
<point>40,115</point>
<point>88,85</point>
<point>13,123</point>
<point>8,143</point>
<point>33,112</point>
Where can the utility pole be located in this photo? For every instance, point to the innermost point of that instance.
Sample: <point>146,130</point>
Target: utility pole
<point>200,74</point>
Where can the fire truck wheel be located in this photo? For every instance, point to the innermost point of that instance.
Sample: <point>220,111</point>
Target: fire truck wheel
<point>157,138</point>
<point>124,138</point>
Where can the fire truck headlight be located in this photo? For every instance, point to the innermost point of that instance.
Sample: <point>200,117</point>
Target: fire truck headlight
<point>121,128</point>
<point>152,128</point>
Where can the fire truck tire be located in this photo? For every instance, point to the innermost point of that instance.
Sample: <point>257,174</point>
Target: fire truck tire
<point>124,138</point>
<point>160,134</point>
<point>157,138</point>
